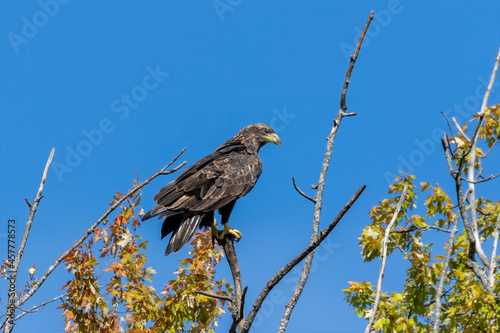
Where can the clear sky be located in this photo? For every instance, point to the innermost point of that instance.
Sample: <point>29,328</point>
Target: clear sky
<point>119,87</point>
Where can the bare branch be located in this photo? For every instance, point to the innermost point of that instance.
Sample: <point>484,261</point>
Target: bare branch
<point>403,231</point>
<point>440,289</point>
<point>20,251</point>
<point>302,192</point>
<point>237,311</point>
<point>281,273</point>
<point>490,85</point>
<point>459,129</point>
<point>49,271</point>
<point>480,181</point>
<point>384,258</point>
<point>321,183</point>
<point>496,233</point>
<point>35,308</point>
<point>27,202</point>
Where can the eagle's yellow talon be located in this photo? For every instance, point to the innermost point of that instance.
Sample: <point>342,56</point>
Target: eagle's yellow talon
<point>235,233</point>
<point>220,234</point>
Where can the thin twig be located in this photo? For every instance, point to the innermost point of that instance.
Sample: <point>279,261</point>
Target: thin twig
<point>321,184</point>
<point>420,229</point>
<point>384,258</point>
<point>35,308</point>
<point>459,129</point>
<point>396,244</point>
<point>480,181</point>
<point>280,274</point>
<point>302,192</point>
<point>49,271</point>
<point>20,251</point>
<point>440,289</point>
<point>452,136</point>
<point>222,297</point>
<point>27,202</point>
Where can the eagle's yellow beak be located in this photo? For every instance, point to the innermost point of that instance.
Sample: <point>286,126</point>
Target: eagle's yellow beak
<point>274,138</point>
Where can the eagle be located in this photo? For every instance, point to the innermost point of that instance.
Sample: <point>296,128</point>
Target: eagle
<point>213,183</point>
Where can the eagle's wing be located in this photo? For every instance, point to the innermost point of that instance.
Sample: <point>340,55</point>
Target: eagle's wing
<point>211,183</point>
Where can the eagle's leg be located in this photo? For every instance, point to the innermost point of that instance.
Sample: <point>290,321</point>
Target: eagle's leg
<point>225,212</point>
<point>230,231</point>
<point>220,234</point>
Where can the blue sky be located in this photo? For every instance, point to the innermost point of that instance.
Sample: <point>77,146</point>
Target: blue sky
<point>144,79</point>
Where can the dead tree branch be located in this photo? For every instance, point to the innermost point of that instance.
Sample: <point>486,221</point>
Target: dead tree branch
<point>280,274</point>
<point>302,192</point>
<point>321,183</point>
<point>384,258</point>
<point>15,266</point>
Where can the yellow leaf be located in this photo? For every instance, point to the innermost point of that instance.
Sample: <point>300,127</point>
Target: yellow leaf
<point>458,140</point>
<point>425,186</point>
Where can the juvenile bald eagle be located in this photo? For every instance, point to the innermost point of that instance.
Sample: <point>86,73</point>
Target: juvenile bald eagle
<point>213,183</point>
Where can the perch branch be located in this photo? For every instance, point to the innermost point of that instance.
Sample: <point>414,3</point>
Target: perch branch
<point>384,258</point>
<point>321,184</point>
<point>237,311</point>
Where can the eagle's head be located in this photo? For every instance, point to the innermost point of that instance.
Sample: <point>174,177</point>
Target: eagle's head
<point>257,135</point>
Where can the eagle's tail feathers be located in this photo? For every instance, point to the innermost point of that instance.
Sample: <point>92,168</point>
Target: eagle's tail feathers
<point>183,234</point>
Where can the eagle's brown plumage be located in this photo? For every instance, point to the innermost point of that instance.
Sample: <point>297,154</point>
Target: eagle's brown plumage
<point>213,183</point>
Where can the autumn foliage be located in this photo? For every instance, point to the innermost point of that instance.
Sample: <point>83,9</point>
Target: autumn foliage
<point>111,288</point>
<point>466,304</point>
